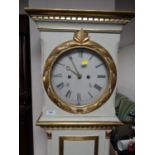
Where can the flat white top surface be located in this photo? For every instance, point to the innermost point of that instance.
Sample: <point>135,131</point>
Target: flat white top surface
<point>76,118</point>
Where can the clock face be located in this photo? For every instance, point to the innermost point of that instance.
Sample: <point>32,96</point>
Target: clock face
<point>79,76</point>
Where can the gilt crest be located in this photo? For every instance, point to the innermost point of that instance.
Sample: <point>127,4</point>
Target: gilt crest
<point>81,36</point>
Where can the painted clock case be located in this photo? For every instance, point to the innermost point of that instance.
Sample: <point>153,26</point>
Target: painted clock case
<point>71,133</point>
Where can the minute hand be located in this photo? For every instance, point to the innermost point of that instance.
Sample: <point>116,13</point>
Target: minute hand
<point>69,69</point>
<point>71,59</point>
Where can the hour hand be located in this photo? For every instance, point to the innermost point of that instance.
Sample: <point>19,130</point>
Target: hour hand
<point>69,69</point>
<point>71,59</point>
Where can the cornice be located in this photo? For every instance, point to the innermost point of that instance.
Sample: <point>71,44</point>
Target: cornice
<point>73,15</point>
<point>92,125</point>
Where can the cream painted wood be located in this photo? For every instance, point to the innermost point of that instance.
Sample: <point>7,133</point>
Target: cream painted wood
<point>49,40</point>
<point>50,112</point>
<point>70,147</point>
<point>78,26</point>
<point>79,147</point>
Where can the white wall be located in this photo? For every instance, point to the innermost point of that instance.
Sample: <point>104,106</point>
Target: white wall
<point>128,34</point>
<point>126,62</point>
<point>74,4</point>
<point>127,5</point>
<point>126,71</point>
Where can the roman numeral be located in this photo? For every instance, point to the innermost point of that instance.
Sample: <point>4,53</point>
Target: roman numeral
<point>60,85</point>
<point>61,64</point>
<point>81,54</point>
<point>57,75</point>
<point>90,85</point>
<point>91,57</point>
<point>97,87</point>
<point>90,94</point>
<point>79,98</point>
<point>70,57</point>
<point>68,94</point>
<point>101,76</point>
<point>99,65</point>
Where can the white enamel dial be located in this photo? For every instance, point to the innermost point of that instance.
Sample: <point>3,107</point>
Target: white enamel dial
<point>79,76</point>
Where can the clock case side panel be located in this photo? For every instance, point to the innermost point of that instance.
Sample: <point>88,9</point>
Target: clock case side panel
<point>49,40</point>
<point>54,142</point>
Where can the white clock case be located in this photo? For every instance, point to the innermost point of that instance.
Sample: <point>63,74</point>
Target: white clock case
<point>49,40</point>
<point>57,26</point>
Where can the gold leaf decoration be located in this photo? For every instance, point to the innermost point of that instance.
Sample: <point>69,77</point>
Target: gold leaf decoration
<point>81,36</point>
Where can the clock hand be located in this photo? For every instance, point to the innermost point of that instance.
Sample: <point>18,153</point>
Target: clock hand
<point>71,59</point>
<point>69,69</point>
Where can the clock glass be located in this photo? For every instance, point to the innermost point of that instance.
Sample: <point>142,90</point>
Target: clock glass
<point>79,76</point>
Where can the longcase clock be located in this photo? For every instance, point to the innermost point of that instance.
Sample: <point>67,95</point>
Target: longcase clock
<point>79,76</point>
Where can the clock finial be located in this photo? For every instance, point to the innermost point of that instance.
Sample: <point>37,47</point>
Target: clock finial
<point>81,36</point>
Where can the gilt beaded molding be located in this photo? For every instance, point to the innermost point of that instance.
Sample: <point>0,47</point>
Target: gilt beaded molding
<point>73,15</point>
